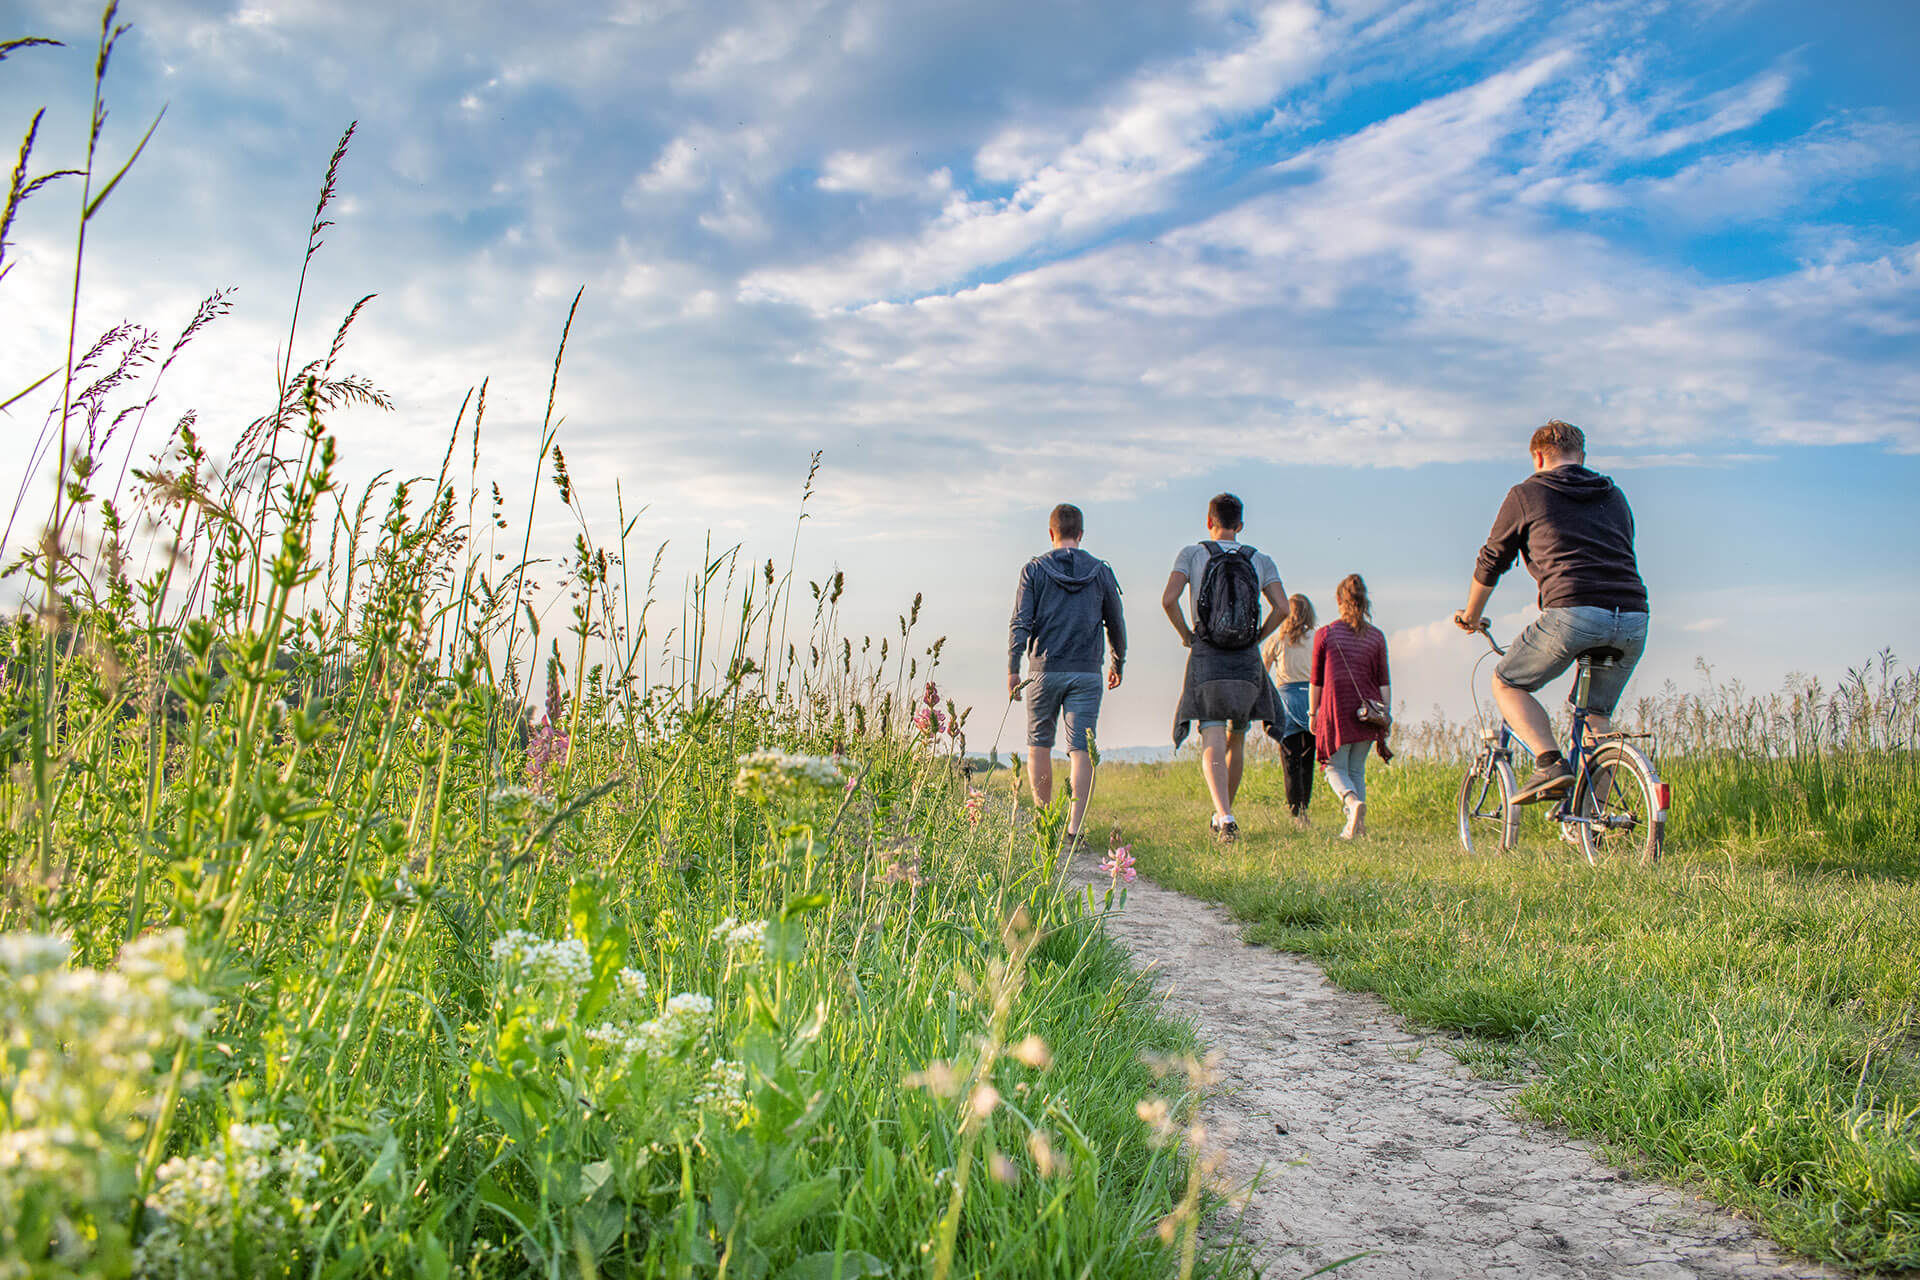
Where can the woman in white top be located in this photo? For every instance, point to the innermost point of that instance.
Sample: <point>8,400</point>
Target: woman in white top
<point>1289,658</point>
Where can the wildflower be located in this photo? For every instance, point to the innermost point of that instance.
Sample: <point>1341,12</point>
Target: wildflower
<point>748,940</point>
<point>24,954</point>
<point>976,805</point>
<point>1118,864</point>
<point>929,720</point>
<point>562,963</point>
<point>1040,1147</point>
<point>1033,1052</point>
<point>725,1090</point>
<point>903,870</point>
<point>931,697</point>
<point>939,1079</point>
<point>547,753</point>
<point>765,775</point>
<point>251,1186</point>
<point>1002,1169</point>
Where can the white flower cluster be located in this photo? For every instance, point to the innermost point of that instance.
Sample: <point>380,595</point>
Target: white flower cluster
<point>516,800</point>
<point>746,939</point>
<point>559,962</point>
<point>681,1023</point>
<point>82,1044</point>
<point>765,774</point>
<point>252,1188</point>
<point>725,1090</point>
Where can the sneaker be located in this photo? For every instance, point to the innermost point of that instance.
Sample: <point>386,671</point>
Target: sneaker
<point>1548,782</point>
<point>1226,832</point>
<point>1074,844</point>
<point>1356,818</point>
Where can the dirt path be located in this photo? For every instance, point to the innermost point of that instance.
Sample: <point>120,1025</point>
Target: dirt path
<point>1372,1138</point>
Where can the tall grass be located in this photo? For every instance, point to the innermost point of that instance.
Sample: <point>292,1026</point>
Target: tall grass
<point>360,919</point>
<point>1809,773</point>
<point>1741,1016</point>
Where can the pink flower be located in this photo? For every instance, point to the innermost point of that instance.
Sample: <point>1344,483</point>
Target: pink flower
<point>1119,864</point>
<point>932,695</point>
<point>976,805</point>
<point>929,720</point>
<point>546,753</point>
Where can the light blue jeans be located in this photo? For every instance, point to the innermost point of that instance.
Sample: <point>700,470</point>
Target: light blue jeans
<point>1347,770</point>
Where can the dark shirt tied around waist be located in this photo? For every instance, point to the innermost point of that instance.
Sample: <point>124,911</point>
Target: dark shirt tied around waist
<point>1227,684</point>
<point>1575,530</point>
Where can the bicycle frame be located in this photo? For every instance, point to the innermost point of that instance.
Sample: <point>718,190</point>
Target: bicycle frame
<point>1578,754</point>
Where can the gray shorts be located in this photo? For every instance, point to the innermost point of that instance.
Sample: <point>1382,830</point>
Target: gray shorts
<point>1553,641</point>
<point>1077,693</point>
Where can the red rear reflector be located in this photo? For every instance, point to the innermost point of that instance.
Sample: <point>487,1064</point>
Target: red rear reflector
<point>1661,794</point>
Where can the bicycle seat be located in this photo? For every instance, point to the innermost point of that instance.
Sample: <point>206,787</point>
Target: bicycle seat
<point>1605,656</point>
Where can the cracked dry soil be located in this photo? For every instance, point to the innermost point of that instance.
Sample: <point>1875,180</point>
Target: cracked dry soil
<point>1366,1137</point>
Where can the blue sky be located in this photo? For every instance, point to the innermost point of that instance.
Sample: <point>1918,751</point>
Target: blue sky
<point>1338,257</point>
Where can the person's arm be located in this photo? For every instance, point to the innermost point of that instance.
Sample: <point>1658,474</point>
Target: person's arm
<point>1170,602</point>
<point>1020,629</point>
<point>1116,623</point>
<point>1316,668</point>
<point>1472,617</point>
<point>1276,595</point>
<point>1503,546</point>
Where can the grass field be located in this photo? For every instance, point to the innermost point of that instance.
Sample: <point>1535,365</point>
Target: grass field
<point>1743,1017</point>
<point>367,909</point>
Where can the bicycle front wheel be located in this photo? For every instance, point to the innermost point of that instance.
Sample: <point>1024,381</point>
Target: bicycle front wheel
<point>1620,795</point>
<point>1485,811</point>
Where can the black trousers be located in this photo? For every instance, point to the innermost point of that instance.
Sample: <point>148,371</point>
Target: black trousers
<point>1297,759</point>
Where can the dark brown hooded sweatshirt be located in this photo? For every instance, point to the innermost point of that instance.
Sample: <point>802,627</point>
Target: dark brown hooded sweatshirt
<point>1575,531</point>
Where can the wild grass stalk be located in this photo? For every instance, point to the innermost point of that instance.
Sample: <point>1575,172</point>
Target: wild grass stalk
<point>432,979</point>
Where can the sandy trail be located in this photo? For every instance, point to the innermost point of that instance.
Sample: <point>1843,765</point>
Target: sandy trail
<point>1370,1137</point>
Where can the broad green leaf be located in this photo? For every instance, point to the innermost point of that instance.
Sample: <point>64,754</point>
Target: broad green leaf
<point>827,1265</point>
<point>794,1206</point>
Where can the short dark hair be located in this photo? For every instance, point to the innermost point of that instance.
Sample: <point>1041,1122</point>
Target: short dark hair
<point>1067,522</point>
<point>1226,512</point>
<point>1562,439</point>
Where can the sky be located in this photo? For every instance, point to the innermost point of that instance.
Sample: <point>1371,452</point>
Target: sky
<point>1336,257</point>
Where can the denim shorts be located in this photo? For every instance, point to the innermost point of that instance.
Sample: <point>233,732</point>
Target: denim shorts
<point>1077,693</point>
<point>1231,726</point>
<point>1553,641</point>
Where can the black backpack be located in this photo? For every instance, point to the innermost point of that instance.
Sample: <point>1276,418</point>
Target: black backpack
<point>1227,610</point>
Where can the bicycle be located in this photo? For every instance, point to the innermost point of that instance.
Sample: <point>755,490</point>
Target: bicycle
<point>1617,805</point>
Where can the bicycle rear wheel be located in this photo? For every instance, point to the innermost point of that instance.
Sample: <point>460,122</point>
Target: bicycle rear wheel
<point>1621,795</point>
<point>1485,811</point>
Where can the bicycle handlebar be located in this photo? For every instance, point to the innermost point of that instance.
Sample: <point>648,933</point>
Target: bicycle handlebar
<point>1486,633</point>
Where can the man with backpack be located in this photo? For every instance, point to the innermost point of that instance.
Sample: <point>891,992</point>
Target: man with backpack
<point>1227,687</point>
<point>1066,600</point>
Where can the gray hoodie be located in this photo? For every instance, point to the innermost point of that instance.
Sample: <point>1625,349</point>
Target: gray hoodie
<point>1064,600</point>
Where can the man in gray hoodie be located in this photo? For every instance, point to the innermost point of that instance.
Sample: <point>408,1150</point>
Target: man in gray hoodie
<point>1065,601</point>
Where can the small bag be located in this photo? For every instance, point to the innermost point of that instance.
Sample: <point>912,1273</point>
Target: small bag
<point>1374,712</point>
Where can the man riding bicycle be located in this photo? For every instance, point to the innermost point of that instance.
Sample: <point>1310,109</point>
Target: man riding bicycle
<point>1575,530</point>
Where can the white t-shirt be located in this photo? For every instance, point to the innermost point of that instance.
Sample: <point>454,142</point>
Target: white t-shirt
<point>1192,561</point>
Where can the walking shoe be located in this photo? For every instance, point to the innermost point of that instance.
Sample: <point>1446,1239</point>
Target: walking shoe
<point>1548,782</point>
<point>1226,832</point>
<point>1074,844</point>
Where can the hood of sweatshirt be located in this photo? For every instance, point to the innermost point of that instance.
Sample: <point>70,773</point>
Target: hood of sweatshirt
<point>1070,567</point>
<point>1574,482</point>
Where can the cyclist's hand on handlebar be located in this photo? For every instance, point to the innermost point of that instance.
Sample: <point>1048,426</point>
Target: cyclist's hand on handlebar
<point>1469,625</point>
